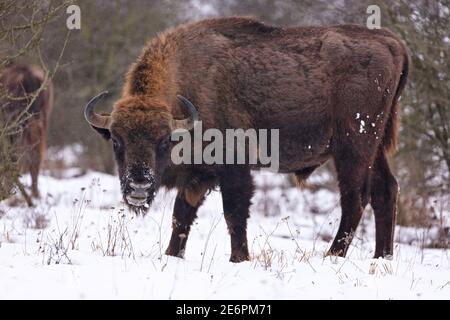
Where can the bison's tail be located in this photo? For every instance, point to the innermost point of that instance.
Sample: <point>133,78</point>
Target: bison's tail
<point>390,134</point>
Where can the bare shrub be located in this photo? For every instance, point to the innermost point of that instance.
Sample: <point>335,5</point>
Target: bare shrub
<point>55,249</point>
<point>117,240</point>
<point>36,218</point>
<point>61,239</point>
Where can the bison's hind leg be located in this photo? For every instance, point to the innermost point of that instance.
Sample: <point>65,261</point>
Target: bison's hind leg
<point>34,184</point>
<point>35,164</point>
<point>354,174</point>
<point>384,192</point>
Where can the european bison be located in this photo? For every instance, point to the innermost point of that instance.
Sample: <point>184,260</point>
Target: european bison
<point>19,84</point>
<point>331,91</point>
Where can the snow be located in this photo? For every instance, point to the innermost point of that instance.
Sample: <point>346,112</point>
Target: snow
<point>289,232</point>
<point>362,126</point>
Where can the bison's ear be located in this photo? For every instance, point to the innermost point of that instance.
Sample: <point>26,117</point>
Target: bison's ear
<point>105,133</point>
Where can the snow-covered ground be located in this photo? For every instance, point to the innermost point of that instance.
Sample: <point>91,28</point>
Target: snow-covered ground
<point>81,243</point>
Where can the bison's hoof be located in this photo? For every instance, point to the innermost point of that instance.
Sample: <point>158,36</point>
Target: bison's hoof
<point>384,255</point>
<point>173,253</point>
<point>236,258</point>
<point>335,253</point>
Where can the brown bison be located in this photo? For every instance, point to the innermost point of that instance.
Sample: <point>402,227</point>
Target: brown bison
<point>331,91</point>
<point>19,85</point>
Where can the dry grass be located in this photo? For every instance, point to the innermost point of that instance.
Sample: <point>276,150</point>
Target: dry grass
<point>36,219</point>
<point>267,257</point>
<point>117,240</point>
<point>213,226</point>
<point>61,239</point>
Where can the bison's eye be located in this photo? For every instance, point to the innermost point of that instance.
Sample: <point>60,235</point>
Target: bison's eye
<point>163,144</point>
<point>116,144</point>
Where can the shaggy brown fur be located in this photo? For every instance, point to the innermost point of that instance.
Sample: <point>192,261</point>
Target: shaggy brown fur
<point>315,84</point>
<point>20,82</point>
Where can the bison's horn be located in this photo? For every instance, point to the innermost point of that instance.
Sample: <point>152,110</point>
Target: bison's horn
<point>96,120</point>
<point>187,123</point>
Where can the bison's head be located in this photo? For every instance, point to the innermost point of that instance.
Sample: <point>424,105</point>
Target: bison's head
<point>140,130</point>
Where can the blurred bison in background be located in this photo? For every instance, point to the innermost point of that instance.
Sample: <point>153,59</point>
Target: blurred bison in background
<point>26,102</point>
<point>331,91</point>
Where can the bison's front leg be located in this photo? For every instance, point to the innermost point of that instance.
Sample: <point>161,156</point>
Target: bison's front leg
<point>237,190</point>
<point>187,203</point>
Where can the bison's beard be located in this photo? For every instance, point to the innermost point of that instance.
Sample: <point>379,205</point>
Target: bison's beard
<point>138,209</point>
<point>138,186</point>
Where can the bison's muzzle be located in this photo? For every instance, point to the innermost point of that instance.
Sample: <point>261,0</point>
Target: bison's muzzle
<point>139,188</point>
<point>139,193</point>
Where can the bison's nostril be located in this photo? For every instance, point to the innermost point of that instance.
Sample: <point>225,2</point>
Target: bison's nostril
<point>140,186</point>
